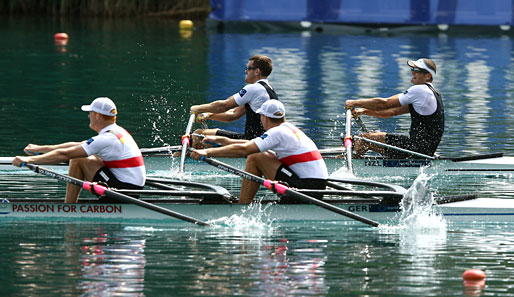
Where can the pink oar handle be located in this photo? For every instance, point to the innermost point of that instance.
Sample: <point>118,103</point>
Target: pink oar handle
<point>185,140</point>
<point>281,189</point>
<point>94,188</point>
<point>347,141</point>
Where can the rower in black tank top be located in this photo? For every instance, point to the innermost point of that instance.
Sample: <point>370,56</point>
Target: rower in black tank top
<point>426,131</point>
<point>253,126</point>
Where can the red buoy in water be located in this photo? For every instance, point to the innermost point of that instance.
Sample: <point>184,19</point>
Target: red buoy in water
<point>473,274</point>
<point>61,36</point>
<point>61,40</point>
<point>474,282</point>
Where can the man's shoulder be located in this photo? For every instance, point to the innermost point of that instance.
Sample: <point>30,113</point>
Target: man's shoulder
<point>109,133</point>
<point>423,87</point>
<point>117,128</point>
<point>257,86</point>
<point>272,134</point>
<point>252,92</point>
<point>281,129</point>
<point>417,89</point>
<point>101,138</point>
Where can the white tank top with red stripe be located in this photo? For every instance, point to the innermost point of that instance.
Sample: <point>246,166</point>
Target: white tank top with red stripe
<point>120,153</point>
<point>294,149</point>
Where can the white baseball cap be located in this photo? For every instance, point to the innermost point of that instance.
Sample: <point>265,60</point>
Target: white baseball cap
<point>272,109</point>
<point>102,105</point>
<point>421,64</point>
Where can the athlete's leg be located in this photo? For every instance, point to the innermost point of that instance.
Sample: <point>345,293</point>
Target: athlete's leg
<point>258,164</point>
<point>83,169</point>
<point>361,146</point>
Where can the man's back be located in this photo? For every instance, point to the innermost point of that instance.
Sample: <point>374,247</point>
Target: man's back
<point>295,150</point>
<point>252,96</point>
<point>119,152</point>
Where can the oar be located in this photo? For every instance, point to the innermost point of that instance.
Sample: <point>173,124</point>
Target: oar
<point>206,142</point>
<point>186,142</point>
<point>284,190</point>
<point>348,140</point>
<point>396,148</point>
<point>359,122</point>
<point>101,190</point>
<point>160,150</point>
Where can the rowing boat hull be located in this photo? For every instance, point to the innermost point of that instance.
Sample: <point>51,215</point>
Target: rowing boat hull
<point>203,212</point>
<point>362,167</point>
<point>478,210</point>
<point>388,167</point>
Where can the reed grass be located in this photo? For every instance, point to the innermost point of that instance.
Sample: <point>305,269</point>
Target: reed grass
<point>108,8</point>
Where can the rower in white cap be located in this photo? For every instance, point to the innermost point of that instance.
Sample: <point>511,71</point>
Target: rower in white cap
<point>283,153</point>
<point>112,157</point>
<point>422,101</point>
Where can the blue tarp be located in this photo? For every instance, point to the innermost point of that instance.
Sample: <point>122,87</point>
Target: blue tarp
<point>403,12</point>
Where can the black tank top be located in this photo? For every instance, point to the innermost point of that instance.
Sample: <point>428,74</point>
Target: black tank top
<point>426,131</point>
<point>253,126</point>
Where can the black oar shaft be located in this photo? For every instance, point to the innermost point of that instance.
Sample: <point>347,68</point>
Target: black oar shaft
<point>359,122</point>
<point>113,194</point>
<point>395,148</point>
<point>281,189</point>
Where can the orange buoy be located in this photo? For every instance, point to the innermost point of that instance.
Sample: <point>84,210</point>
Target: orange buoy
<point>61,36</point>
<point>473,274</point>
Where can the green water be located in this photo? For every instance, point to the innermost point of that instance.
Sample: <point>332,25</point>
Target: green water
<point>147,68</point>
<point>154,73</point>
<point>323,259</point>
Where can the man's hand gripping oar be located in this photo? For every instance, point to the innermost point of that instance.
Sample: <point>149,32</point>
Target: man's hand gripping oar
<point>358,120</point>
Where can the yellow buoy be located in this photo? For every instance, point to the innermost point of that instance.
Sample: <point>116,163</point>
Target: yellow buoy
<point>186,33</point>
<point>186,25</point>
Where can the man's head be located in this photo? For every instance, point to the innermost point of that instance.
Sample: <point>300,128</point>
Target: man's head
<point>102,105</point>
<point>272,111</point>
<point>422,70</point>
<point>102,111</point>
<point>258,67</point>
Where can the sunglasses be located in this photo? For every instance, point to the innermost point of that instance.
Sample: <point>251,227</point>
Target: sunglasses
<point>417,70</point>
<point>250,68</point>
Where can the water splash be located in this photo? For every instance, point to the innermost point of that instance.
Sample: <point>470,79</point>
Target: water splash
<point>421,230</point>
<point>255,219</point>
<point>417,206</point>
<point>342,172</point>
